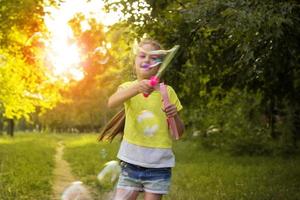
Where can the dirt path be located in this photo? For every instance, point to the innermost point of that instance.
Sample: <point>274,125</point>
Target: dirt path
<point>63,176</point>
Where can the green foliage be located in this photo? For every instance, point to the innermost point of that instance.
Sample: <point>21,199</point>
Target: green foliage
<point>24,85</point>
<point>83,108</point>
<point>232,121</point>
<point>25,15</point>
<point>229,45</point>
<point>24,89</point>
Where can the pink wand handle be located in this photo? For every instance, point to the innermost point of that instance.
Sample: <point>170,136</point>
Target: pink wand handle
<point>171,120</point>
<point>154,80</point>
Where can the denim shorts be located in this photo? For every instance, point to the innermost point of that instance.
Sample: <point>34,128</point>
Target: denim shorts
<point>152,180</point>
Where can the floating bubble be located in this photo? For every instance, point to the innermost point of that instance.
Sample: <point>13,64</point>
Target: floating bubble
<point>3,60</point>
<point>37,40</point>
<point>100,54</point>
<point>100,51</point>
<point>103,153</point>
<point>76,191</point>
<point>35,46</point>
<point>110,172</point>
<point>104,61</point>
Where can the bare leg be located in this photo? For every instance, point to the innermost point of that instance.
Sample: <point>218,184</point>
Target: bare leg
<point>152,196</point>
<point>123,194</point>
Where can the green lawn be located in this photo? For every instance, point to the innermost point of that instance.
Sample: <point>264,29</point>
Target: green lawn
<point>26,164</point>
<point>210,175</point>
<point>87,158</point>
<point>200,174</point>
<point>26,167</point>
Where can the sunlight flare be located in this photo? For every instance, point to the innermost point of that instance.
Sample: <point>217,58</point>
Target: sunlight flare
<point>62,54</point>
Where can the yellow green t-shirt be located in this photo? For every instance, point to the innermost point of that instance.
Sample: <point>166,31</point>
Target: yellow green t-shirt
<point>146,123</point>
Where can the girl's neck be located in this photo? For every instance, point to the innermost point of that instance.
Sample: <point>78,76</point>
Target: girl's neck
<point>141,78</point>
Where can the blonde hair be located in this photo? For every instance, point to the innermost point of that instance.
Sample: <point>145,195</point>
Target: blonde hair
<point>153,42</point>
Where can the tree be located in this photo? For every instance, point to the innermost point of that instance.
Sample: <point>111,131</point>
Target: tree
<point>226,45</point>
<point>24,84</point>
<point>84,108</point>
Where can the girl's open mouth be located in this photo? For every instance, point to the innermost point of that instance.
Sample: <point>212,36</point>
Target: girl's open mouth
<point>148,66</point>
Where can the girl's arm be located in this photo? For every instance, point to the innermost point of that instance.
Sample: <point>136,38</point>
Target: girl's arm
<point>123,94</point>
<point>179,124</point>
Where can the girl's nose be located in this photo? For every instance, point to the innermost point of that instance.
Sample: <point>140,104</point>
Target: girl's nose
<point>147,58</point>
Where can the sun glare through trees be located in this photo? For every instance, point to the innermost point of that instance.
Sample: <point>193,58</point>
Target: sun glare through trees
<point>63,55</point>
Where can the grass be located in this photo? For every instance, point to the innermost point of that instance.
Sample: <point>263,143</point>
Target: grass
<point>201,174</point>
<point>87,158</point>
<point>26,164</point>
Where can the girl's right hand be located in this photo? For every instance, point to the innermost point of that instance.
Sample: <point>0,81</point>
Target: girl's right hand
<point>144,87</point>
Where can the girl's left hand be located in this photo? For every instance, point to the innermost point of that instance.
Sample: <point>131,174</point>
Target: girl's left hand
<point>170,110</point>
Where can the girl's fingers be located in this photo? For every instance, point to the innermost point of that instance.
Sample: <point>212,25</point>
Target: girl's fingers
<point>171,114</point>
<point>146,89</point>
<point>170,110</point>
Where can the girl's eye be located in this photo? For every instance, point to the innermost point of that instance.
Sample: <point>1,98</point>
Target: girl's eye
<point>156,59</point>
<point>142,55</point>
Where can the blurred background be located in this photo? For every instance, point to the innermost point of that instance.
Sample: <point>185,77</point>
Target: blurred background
<point>237,72</point>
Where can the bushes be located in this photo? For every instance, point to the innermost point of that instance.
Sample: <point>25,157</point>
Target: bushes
<point>236,122</point>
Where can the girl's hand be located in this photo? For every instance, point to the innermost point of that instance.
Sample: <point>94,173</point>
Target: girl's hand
<point>170,110</point>
<point>144,87</point>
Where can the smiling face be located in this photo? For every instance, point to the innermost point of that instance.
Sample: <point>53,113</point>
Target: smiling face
<point>146,63</point>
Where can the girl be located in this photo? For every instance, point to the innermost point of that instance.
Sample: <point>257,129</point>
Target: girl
<point>145,151</point>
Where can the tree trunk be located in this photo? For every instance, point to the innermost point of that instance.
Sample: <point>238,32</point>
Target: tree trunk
<point>272,118</point>
<point>1,127</point>
<point>10,127</point>
<point>296,127</point>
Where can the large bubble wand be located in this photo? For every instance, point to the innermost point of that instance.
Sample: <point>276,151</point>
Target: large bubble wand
<point>154,80</point>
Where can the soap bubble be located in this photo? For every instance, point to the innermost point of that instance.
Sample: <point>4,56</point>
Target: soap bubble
<point>35,46</point>
<point>110,172</point>
<point>76,191</point>
<point>103,153</point>
<point>100,54</point>
<point>37,40</point>
<point>100,51</point>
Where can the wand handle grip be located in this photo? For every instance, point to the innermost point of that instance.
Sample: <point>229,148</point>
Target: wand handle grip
<point>154,80</point>
<point>171,120</point>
